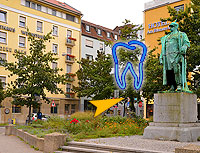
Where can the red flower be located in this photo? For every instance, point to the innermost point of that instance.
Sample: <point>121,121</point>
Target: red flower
<point>87,121</point>
<point>72,38</point>
<point>74,121</point>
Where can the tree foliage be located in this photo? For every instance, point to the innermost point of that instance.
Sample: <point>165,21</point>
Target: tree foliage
<point>95,79</point>
<point>34,75</point>
<point>2,93</point>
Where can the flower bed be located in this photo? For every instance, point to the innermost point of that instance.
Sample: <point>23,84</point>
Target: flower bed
<point>83,125</point>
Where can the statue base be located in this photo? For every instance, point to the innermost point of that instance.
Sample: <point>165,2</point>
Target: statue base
<point>175,118</point>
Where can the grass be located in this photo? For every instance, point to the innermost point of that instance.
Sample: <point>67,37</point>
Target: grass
<point>3,124</point>
<point>83,125</point>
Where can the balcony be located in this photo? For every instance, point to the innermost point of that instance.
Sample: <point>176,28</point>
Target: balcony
<point>70,58</point>
<point>70,95</point>
<point>70,77</point>
<point>70,41</point>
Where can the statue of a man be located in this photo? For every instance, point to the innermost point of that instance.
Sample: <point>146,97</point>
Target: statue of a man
<point>174,46</point>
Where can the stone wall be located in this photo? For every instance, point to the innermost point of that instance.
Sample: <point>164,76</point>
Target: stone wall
<point>48,144</point>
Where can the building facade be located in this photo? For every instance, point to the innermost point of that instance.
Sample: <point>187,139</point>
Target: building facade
<point>40,17</point>
<point>92,40</point>
<point>155,29</point>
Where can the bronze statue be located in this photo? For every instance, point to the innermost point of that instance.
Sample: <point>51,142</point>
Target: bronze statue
<point>174,46</point>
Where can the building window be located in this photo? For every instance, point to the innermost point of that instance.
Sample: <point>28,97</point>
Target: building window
<point>90,57</point>
<point>3,36</point>
<point>70,17</point>
<point>179,8</point>
<point>73,108</point>
<point>3,81</point>
<point>3,16</point>
<point>68,87</point>
<point>54,110</point>
<point>69,34</point>
<point>55,30</point>
<point>2,57</point>
<point>108,34</point>
<point>22,41</point>
<point>99,32</point>
<point>33,5</point>
<point>55,49</point>
<point>16,109</point>
<point>89,43</point>
<point>101,47</point>
<point>67,108</point>
<point>69,68</point>
<point>39,26</point>
<point>54,12</point>
<point>28,4</point>
<point>38,7</point>
<point>54,65</point>
<point>22,21</point>
<point>87,27</point>
<point>69,51</point>
<point>116,37</point>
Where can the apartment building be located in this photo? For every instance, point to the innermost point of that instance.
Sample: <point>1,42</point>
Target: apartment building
<point>40,17</point>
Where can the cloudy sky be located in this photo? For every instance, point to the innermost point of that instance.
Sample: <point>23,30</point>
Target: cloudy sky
<point>110,13</point>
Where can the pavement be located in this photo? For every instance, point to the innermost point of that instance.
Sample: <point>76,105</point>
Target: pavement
<point>140,143</point>
<point>12,144</point>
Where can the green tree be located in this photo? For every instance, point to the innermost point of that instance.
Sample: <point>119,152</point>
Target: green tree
<point>34,74</point>
<point>189,22</point>
<point>95,79</point>
<point>153,77</point>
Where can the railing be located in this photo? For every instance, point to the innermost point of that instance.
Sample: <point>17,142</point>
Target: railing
<point>70,58</point>
<point>70,77</point>
<point>70,41</point>
<point>70,95</point>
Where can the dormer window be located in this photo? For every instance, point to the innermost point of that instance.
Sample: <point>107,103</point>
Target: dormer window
<point>99,32</point>
<point>108,34</point>
<point>87,27</point>
<point>116,37</point>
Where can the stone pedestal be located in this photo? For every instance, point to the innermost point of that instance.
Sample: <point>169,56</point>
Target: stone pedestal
<point>175,118</point>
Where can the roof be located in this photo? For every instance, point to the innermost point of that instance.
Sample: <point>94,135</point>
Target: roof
<point>63,6</point>
<point>93,31</point>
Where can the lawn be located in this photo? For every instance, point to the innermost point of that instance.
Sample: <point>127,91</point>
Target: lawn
<point>82,125</point>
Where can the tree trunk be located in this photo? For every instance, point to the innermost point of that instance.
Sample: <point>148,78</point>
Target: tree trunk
<point>29,114</point>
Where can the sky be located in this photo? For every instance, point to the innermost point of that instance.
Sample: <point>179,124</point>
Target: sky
<point>110,13</point>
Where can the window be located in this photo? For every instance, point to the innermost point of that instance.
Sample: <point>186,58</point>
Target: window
<point>54,12</point>
<point>22,41</point>
<point>99,32</point>
<point>108,34</point>
<point>3,36</point>
<point>54,65</point>
<point>55,30</point>
<point>3,81</point>
<point>2,57</point>
<point>33,5</point>
<point>70,17</point>
<point>28,4</point>
<point>116,37</point>
<point>89,43</point>
<point>73,108</point>
<point>90,57</point>
<point>179,8</point>
<point>69,68</point>
<point>16,109</point>
<point>101,46</point>
<point>3,16</point>
<point>22,21</point>
<point>55,48</point>
<point>38,7</point>
<point>87,27</point>
<point>68,87</point>
<point>54,110</point>
<point>69,51</point>
<point>69,34</point>
<point>66,108</point>
<point>39,26</point>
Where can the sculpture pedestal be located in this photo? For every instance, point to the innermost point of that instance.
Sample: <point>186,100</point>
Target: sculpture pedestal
<point>175,118</point>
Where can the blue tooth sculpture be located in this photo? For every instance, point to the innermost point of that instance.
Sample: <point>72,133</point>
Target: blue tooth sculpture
<point>137,81</point>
